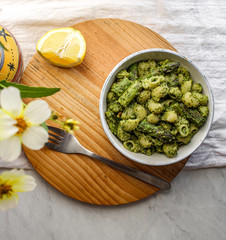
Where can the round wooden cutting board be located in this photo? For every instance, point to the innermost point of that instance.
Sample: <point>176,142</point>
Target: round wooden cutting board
<point>78,176</point>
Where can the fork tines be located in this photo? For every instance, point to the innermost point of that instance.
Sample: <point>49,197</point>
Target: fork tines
<point>58,137</point>
<point>59,131</point>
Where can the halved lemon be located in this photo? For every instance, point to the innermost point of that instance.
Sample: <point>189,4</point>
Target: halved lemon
<point>63,47</point>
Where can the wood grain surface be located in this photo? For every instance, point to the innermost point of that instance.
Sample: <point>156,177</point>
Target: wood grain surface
<point>78,176</point>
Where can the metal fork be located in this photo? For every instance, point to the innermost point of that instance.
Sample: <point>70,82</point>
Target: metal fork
<point>62,141</point>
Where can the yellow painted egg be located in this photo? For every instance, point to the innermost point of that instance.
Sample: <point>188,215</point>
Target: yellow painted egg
<point>11,63</point>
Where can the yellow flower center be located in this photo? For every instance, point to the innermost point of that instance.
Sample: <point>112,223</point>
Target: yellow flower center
<point>21,124</point>
<point>5,189</point>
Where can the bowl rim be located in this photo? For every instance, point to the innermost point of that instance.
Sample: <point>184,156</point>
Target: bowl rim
<point>110,134</point>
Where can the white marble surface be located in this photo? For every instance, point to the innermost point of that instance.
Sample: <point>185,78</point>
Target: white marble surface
<point>195,208</point>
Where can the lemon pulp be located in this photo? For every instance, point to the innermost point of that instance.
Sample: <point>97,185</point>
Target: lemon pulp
<point>63,47</point>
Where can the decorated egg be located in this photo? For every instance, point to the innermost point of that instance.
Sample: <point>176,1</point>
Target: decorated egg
<point>11,63</point>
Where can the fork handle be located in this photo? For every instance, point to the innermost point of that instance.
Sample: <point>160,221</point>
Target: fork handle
<point>141,175</point>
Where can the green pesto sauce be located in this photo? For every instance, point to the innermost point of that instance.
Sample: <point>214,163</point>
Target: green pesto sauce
<point>155,106</point>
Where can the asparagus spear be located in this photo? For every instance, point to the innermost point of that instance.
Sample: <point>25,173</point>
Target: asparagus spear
<point>132,70</point>
<point>120,87</point>
<point>130,93</point>
<point>169,67</point>
<point>155,131</point>
<point>193,115</point>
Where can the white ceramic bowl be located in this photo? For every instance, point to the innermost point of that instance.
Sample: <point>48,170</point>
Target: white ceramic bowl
<point>158,54</point>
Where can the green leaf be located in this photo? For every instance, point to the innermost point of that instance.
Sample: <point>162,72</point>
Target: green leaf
<point>30,92</point>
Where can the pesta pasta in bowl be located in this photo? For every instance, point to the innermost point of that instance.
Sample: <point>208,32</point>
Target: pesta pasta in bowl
<point>156,107</point>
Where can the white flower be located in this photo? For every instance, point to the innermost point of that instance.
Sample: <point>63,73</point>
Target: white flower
<point>11,182</point>
<point>20,123</point>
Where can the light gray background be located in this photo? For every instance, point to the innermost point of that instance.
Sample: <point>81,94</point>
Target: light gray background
<point>195,208</point>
